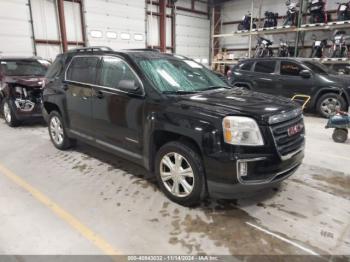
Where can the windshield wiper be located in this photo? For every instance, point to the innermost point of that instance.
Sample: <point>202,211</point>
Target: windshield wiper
<point>179,92</point>
<point>216,87</point>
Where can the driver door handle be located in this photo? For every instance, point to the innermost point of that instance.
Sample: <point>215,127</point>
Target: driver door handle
<point>99,94</point>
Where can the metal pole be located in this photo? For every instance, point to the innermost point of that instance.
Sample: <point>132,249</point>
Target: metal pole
<point>32,26</point>
<point>62,22</point>
<point>300,14</point>
<point>173,26</point>
<point>162,25</point>
<point>212,24</point>
<point>250,30</point>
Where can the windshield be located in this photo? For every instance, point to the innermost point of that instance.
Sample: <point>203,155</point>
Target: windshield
<point>318,68</point>
<point>176,75</point>
<point>23,68</point>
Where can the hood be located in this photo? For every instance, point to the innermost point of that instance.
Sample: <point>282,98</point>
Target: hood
<point>233,101</point>
<point>29,81</point>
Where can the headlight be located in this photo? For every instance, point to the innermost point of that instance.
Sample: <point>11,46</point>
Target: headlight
<point>243,131</point>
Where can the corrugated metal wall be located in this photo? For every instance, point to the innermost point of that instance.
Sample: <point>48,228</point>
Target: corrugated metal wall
<point>119,24</point>
<point>15,28</point>
<point>193,36</point>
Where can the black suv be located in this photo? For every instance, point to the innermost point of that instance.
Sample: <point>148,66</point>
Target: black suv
<point>295,76</point>
<point>176,118</point>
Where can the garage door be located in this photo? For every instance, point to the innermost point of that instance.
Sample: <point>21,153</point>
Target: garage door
<point>15,29</point>
<point>119,24</point>
<point>193,36</point>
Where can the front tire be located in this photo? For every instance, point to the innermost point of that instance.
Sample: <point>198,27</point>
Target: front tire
<point>340,135</point>
<point>58,133</point>
<point>180,173</point>
<point>329,103</point>
<point>9,115</point>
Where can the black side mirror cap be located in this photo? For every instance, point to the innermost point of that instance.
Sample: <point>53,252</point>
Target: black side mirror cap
<point>305,74</point>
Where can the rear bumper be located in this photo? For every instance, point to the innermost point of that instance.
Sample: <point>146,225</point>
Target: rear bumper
<point>263,173</point>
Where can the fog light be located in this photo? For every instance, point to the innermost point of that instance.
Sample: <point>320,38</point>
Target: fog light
<point>243,169</point>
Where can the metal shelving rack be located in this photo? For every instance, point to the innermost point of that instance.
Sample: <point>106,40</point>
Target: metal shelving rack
<point>282,30</point>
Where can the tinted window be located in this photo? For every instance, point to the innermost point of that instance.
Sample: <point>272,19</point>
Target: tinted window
<point>246,66</point>
<point>290,68</point>
<point>115,70</point>
<point>267,67</point>
<point>22,68</point>
<point>83,70</point>
<point>317,68</point>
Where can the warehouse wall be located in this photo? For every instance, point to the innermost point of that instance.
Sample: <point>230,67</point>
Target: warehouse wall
<point>236,9</point>
<point>119,24</point>
<point>15,28</point>
<point>193,32</point>
<point>192,37</point>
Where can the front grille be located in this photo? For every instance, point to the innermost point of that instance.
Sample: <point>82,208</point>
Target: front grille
<point>288,143</point>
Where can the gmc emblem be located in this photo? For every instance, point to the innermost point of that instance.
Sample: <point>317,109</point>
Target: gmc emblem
<point>293,130</point>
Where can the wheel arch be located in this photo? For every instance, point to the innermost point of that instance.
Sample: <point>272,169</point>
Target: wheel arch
<point>49,107</point>
<point>242,84</point>
<point>324,91</point>
<point>159,138</point>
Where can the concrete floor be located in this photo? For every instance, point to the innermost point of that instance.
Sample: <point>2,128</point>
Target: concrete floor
<point>109,206</point>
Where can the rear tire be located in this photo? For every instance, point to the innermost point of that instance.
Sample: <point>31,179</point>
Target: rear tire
<point>58,133</point>
<point>328,103</point>
<point>340,135</point>
<point>180,173</point>
<point>9,115</point>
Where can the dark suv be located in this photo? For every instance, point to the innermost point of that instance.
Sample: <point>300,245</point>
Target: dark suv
<point>295,76</point>
<point>21,83</point>
<point>176,118</point>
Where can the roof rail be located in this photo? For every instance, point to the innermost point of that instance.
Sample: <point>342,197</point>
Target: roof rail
<point>91,49</point>
<point>142,49</point>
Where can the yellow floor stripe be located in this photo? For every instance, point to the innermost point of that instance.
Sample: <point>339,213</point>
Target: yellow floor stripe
<point>60,212</point>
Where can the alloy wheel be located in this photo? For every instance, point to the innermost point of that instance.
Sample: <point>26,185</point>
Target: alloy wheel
<point>177,174</point>
<point>7,112</point>
<point>330,105</point>
<point>56,130</point>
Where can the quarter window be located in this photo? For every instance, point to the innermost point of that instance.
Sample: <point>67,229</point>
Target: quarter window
<point>83,70</point>
<point>267,67</point>
<point>114,70</point>
<point>290,68</point>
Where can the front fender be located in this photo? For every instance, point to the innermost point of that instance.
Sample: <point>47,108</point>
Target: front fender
<point>205,134</point>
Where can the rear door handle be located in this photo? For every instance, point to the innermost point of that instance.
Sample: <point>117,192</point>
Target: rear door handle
<point>65,87</point>
<point>99,94</point>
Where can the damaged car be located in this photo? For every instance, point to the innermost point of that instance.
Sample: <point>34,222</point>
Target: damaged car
<point>21,86</point>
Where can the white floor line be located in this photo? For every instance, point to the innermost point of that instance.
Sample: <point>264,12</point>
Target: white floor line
<point>283,239</point>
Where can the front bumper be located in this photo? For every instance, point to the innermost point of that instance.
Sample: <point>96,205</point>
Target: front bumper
<point>262,172</point>
<point>35,112</point>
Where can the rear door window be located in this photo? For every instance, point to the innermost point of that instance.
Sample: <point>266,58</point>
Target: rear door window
<point>83,70</point>
<point>267,67</point>
<point>290,69</point>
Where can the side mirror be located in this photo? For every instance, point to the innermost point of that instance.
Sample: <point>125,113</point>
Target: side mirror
<point>305,74</point>
<point>129,86</point>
